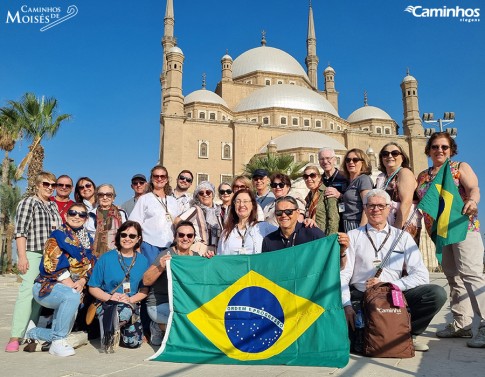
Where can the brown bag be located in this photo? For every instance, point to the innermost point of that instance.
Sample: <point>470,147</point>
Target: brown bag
<point>387,330</point>
<point>91,312</point>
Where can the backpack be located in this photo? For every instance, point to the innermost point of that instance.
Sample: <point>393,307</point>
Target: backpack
<point>388,323</point>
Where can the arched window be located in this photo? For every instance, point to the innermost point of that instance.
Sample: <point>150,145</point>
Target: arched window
<point>283,120</point>
<point>312,159</point>
<point>212,116</point>
<point>201,115</point>
<point>295,121</point>
<point>387,131</point>
<point>226,152</point>
<point>203,149</point>
<point>378,130</point>
<point>268,82</point>
<point>318,124</point>
<point>265,120</point>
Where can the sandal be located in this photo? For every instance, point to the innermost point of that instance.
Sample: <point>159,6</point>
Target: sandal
<point>12,346</point>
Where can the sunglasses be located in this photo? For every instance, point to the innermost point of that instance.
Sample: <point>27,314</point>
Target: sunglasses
<point>131,236</point>
<point>306,176</point>
<point>49,185</point>
<point>258,178</point>
<point>279,184</point>
<point>224,192</point>
<point>63,185</point>
<point>204,192</point>
<point>188,235</point>
<point>393,153</point>
<point>159,176</point>
<point>103,194</point>
<point>380,207</point>
<point>73,213</point>
<point>187,179</point>
<point>354,160</point>
<point>86,186</point>
<point>287,212</point>
<point>443,147</point>
<point>240,187</point>
<point>138,183</point>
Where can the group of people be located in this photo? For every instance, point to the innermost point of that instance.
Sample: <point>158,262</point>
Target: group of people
<point>72,253</point>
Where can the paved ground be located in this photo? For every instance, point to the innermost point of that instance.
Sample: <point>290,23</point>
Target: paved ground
<point>448,357</point>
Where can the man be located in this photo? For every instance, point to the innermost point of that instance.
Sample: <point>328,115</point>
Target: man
<point>292,233</point>
<point>139,186</point>
<point>184,181</point>
<point>333,179</point>
<point>369,244</point>
<point>62,200</point>
<point>264,196</point>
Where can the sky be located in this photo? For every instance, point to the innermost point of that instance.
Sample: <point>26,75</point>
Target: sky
<point>103,66</point>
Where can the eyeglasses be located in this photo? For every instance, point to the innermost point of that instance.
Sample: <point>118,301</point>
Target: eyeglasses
<point>184,178</point>
<point>103,194</point>
<point>326,158</point>
<point>138,183</point>
<point>277,184</point>
<point>393,153</point>
<point>287,212</point>
<point>242,202</point>
<point>311,175</point>
<point>204,192</point>
<point>159,176</point>
<point>188,235</point>
<point>49,185</point>
<point>63,185</point>
<point>86,186</point>
<point>225,192</point>
<point>131,236</point>
<point>435,147</point>
<point>73,213</point>
<point>354,160</point>
<point>240,187</point>
<point>380,207</point>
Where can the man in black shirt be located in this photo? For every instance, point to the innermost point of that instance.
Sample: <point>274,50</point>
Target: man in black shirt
<point>334,180</point>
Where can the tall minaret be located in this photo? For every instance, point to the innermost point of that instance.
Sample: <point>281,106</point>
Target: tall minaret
<point>311,59</point>
<point>168,39</point>
<point>412,121</point>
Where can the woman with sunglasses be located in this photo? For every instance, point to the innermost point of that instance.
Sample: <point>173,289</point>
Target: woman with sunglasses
<point>357,168</point>
<point>225,194</point>
<point>116,281</point>
<point>156,212</point>
<point>205,216</point>
<point>104,220</point>
<point>320,210</point>
<point>36,217</point>
<point>85,192</point>
<point>64,271</point>
<point>281,186</point>
<point>462,262</point>
<point>399,182</point>
<point>156,278</point>
<point>242,233</point>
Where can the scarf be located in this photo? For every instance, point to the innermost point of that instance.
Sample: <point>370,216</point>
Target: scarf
<point>212,217</point>
<point>106,228</point>
<point>312,202</point>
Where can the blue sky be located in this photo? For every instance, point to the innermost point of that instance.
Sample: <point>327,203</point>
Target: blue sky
<point>103,66</point>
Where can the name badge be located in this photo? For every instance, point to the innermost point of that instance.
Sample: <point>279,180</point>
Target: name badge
<point>341,207</point>
<point>168,217</point>
<point>376,263</point>
<point>243,251</point>
<point>126,287</point>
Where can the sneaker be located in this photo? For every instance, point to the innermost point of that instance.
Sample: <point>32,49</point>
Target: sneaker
<point>31,345</point>
<point>479,340</point>
<point>60,347</point>
<point>420,347</point>
<point>156,336</point>
<point>450,331</point>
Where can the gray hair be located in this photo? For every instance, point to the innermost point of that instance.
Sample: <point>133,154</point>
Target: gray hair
<point>287,198</point>
<point>325,149</point>
<point>379,193</point>
<point>106,185</point>
<point>204,185</point>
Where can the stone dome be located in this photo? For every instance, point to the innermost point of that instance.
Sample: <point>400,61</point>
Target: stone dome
<point>368,112</point>
<point>226,57</point>
<point>408,78</point>
<point>329,69</point>
<point>286,96</point>
<point>206,96</point>
<point>304,139</point>
<point>266,59</point>
<point>175,49</point>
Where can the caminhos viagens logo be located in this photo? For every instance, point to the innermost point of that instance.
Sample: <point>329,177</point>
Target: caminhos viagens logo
<point>456,12</point>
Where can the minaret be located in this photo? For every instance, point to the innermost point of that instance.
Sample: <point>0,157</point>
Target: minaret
<point>330,92</point>
<point>226,63</point>
<point>173,100</point>
<point>311,59</point>
<point>168,39</point>
<point>411,120</point>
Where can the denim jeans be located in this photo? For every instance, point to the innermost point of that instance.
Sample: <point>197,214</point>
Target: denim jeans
<point>65,302</point>
<point>159,313</point>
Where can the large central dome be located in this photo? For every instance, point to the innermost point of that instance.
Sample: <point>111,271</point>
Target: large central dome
<point>267,59</point>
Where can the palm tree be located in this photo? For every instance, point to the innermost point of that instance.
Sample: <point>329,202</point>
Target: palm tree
<point>37,119</point>
<point>275,163</point>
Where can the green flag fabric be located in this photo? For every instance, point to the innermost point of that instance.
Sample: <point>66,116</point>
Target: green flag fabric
<point>282,307</point>
<point>443,203</point>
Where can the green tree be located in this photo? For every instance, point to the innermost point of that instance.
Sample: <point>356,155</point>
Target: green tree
<point>275,163</point>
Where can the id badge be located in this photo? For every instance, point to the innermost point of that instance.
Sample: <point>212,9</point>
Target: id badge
<point>341,207</point>
<point>243,251</point>
<point>126,287</point>
<point>168,217</point>
<point>376,263</point>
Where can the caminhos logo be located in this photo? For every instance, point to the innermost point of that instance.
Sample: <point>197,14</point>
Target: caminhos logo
<point>390,310</point>
<point>462,14</point>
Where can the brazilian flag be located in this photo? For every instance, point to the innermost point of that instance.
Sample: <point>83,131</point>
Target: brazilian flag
<point>282,307</point>
<point>443,203</point>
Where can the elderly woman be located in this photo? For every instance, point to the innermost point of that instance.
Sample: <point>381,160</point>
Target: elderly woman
<point>462,261</point>
<point>105,220</point>
<point>225,194</point>
<point>242,233</point>
<point>399,182</point>
<point>205,216</point>
<point>156,211</point>
<point>281,186</point>
<point>64,271</point>
<point>116,281</point>
<point>85,191</point>
<point>357,168</point>
<point>36,217</point>
<point>156,278</point>
<point>320,210</point>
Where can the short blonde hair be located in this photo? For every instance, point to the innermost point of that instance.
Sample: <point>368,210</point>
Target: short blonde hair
<point>44,175</point>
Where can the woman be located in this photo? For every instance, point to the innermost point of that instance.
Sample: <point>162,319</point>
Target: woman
<point>105,220</point>
<point>357,168</point>
<point>64,271</point>
<point>225,194</point>
<point>205,216</point>
<point>281,186</point>
<point>242,182</point>
<point>399,182</point>
<point>84,192</point>
<point>35,219</point>
<point>462,261</point>
<point>156,278</point>
<point>116,281</point>
<point>156,211</point>
<point>242,233</point>
<point>320,210</point>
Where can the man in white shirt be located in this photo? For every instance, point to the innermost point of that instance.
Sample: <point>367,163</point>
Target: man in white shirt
<point>369,244</point>
<point>184,181</point>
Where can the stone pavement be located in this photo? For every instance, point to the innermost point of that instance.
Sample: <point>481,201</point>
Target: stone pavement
<point>447,357</point>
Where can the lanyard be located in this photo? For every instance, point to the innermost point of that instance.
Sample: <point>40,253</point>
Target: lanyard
<point>391,177</point>
<point>126,269</point>
<point>286,241</point>
<point>372,242</point>
<point>261,199</point>
<point>330,179</point>
<point>243,236</point>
